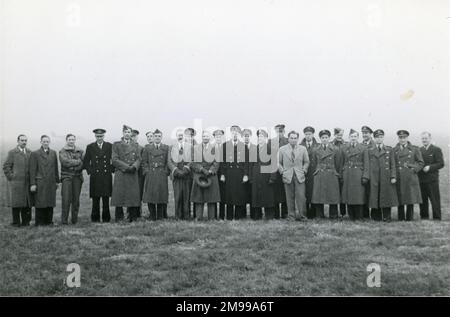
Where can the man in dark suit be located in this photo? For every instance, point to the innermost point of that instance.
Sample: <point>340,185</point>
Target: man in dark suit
<point>97,162</point>
<point>135,138</point>
<point>369,143</point>
<point>310,143</point>
<point>429,177</point>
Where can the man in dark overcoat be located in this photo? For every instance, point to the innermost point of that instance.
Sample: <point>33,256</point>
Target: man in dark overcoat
<point>309,141</point>
<point>98,164</point>
<point>339,143</point>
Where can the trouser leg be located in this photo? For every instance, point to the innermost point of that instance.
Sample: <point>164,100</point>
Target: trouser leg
<point>95,214</point>
<point>284,210</point>
<point>289,190</point>
<point>133,213</point>
<point>152,211</point>
<point>257,213</point>
<point>435,198</point>
<point>16,217</point>
<point>119,214</point>
<point>66,193</point>
<point>212,211</point>
<point>106,215</point>
<point>240,212</point>
<point>185,201</point>
<point>230,212</point>
<point>409,212</point>
<point>277,211</point>
<point>424,207</point>
<point>38,216</point>
<point>77,182</point>
<point>49,216</point>
<point>333,211</point>
<point>376,214</point>
<point>386,214</point>
<point>269,213</point>
<point>25,214</point>
<point>221,211</point>
<point>401,212</point>
<point>160,211</point>
<point>319,209</point>
<point>300,198</point>
<point>198,208</point>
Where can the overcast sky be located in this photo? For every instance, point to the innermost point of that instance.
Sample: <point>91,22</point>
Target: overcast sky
<point>71,66</point>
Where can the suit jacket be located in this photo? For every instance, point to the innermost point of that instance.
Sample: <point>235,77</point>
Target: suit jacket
<point>293,161</point>
<point>433,158</point>
<point>179,159</point>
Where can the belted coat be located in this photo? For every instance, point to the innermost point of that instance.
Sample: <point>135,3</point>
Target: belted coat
<point>156,171</point>
<point>326,175</point>
<point>355,167</point>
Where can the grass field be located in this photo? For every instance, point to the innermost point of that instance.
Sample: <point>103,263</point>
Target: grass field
<point>171,257</point>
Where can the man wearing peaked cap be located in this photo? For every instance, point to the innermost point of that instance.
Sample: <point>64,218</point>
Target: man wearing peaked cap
<point>324,132</point>
<point>134,137</point>
<point>250,156</point>
<point>310,143</point>
<point>274,144</point>
<point>383,177</point>
<point>409,163</point>
<point>98,165</point>
<point>126,158</point>
<point>218,132</point>
<point>262,132</point>
<point>218,145</point>
<point>368,143</point>
<point>339,143</point>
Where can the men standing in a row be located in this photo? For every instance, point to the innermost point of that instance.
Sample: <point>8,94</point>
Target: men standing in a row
<point>293,163</point>
<point>135,138</point>
<point>71,159</point>
<point>16,169</point>
<point>327,162</point>
<point>126,159</point>
<point>218,136</point>
<point>98,165</point>
<point>383,177</point>
<point>429,177</point>
<point>339,143</point>
<point>234,175</point>
<point>156,171</point>
<point>409,162</point>
<point>261,179</point>
<point>280,195</point>
<point>180,174</point>
<point>205,187</point>
<point>310,143</point>
<point>44,181</point>
<point>355,175</point>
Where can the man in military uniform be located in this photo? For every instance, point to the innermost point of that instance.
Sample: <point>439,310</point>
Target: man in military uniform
<point>310,143</point>
<point>98,165</point>
<point>149,136</point>
<point>180,173</point>
<point>383,177</point>
<point>44,181</point>
<point>339,143</point>
<point>429,177</point>
<point>189,137</point>
<point>250,156</point>
<point>409,163</point>
<point>234,174</point>
<point>368,143</point>
<point>355,175</point>
<point>135,137</point>
<point>16,169</point>
<point>156,171</point>
<point>218,136</point>
<point>327,161</point>
<point>126,159</point>
<point>275,144</point>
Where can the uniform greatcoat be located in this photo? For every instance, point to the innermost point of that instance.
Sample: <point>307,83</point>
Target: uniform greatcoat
<point>156,171</point>
<point>326,175</point>
<point>261,180</point>
<point>355,167</point>
<point>205,159</point>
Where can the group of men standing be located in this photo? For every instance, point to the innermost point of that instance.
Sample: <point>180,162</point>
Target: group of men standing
<point>276,178</point>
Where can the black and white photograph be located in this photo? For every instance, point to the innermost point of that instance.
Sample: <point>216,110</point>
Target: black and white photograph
<point>225,154</point>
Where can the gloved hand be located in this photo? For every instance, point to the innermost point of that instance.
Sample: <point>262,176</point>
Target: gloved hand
<point>364,181</point>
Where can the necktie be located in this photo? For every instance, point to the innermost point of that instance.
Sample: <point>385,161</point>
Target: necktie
<point>293,155</point>
<point>324,147</point>
<point>181,150</point>
<point>379,148</point>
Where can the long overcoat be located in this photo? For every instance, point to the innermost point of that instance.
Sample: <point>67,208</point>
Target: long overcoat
<point>309,183</point>
<point>383,193</point>
<point>355,167</point>
<point>205,159</point>
<point>262,178</point>
<point>17,172</point>
<point>279,192</point>
<point>326,175</point>
<point>98,164</point>
<point>408,162</point>
<point>44,174</point>
<point>156,171</point>
<point>125,191</point>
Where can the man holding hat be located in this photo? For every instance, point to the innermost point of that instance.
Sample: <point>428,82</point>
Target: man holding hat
<point>218,144</point>
<point>180,174</point>
<point>339,143</point>
<point>135,137</point>
<point>383,177</point>
<point>275,144</point>
<point>310,143</point>
<point>234,174</point>
<point>250,156</point>
<point>368,143</point>
<point>156,187</point>
<point>327,162</point>
<point>98,164</point>
<point>409,163</point>
<point>126,158</point>
<point>205,187</point>
<point>355,175</point>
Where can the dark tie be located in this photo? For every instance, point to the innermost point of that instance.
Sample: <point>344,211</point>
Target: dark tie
<point>324,147</point>
<point>293,156</point>
<point>181,150</point>
<point>379,148</point>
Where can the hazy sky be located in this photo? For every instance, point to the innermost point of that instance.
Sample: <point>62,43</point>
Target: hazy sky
<point>71,66</point>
